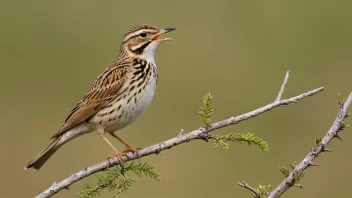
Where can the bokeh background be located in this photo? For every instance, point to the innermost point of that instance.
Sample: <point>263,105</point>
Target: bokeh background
<point>238,50</point>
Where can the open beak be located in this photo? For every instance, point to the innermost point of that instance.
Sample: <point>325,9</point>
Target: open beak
<point>161,32</point>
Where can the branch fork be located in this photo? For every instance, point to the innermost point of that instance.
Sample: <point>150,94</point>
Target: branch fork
<point>248,187</point>
<point>337,126</point>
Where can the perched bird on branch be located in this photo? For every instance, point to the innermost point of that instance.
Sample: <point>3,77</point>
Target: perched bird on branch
<point>117,97</point>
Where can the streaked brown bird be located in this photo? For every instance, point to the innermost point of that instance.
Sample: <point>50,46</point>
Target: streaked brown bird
<point>117,97</point>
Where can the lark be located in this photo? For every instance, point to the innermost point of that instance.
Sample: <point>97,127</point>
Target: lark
<point>117,97</point>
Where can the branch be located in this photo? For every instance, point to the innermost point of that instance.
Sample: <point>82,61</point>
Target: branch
<point>200,133</point>
<point>283,87</point>
<point>248,187</point>
<point>321,147</point>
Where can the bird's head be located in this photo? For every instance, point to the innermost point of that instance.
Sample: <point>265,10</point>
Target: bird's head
<point>142,40</point>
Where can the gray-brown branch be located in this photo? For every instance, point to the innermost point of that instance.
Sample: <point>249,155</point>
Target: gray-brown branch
<point>321,147</point>
<point>200,133</point>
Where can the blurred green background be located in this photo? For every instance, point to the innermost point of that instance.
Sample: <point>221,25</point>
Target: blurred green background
<point>51,51</point>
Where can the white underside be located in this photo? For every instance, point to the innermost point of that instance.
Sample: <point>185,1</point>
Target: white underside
<point>134,109</point>
<point>73,133</point>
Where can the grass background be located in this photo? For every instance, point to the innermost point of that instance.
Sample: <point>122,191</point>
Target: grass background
<point>51,51</point>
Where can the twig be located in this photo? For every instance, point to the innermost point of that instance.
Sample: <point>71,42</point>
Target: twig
<point>200,133</point>
<point>283,87</point>
<point>181,133</point>
<point>246,186</point>
<point>321,147</point>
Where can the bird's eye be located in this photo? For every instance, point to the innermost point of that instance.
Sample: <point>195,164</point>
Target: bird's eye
<point>143,35</point>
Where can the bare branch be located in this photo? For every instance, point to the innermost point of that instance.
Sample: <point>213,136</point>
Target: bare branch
<point>308,160</point>
<point>246,186</point>
<point>283,87</point>
<point>200,133</point>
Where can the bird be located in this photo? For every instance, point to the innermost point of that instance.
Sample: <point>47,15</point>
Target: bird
<point>117,97</point>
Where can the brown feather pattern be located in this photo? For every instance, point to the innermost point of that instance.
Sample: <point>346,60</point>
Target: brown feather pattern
<point>104,89</point>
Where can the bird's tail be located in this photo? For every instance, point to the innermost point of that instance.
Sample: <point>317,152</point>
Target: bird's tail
<point>43,156</point>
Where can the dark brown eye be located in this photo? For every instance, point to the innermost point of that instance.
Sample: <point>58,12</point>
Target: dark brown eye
<point>143,35</point>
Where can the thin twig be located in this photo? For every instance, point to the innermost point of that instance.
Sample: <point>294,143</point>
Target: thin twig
<point>321,147</point>
<point>246,186</point>
<point>283,87</point>
<point>181,133</point>
<point>200,133</point>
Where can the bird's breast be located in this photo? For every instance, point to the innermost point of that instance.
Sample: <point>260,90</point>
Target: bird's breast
<point>128,106</point>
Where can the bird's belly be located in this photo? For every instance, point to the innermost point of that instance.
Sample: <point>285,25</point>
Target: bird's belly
<point>125,110</point>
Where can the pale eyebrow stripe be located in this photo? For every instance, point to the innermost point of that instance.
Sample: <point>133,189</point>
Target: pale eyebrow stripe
<point>137,33</point>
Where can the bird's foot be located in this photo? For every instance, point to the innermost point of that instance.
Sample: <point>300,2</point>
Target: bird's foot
<point>134,150</point>
<point>119,156</point>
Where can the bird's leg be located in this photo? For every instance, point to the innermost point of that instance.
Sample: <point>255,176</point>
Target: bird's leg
<point>117,153</point>
<point>129,148</point>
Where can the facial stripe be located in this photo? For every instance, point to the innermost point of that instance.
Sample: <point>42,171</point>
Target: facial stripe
<point>136,47</point>
<point>139,49</point>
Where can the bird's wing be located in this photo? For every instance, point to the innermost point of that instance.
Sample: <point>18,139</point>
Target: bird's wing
<point>105,88</point>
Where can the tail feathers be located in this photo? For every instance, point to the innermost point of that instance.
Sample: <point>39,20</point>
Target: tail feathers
<point>43,156</point>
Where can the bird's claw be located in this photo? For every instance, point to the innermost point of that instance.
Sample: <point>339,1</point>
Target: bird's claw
<point>133,150</point>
